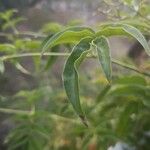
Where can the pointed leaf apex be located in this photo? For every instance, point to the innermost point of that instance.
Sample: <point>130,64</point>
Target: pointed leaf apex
<point>84,120</point>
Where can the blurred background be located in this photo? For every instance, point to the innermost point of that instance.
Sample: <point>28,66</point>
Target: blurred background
<point>34,111</point>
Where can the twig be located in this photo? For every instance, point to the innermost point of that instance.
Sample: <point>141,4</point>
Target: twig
<point>32,34</point>
<point>128,66</point>
<point>14,111</point>
<point>6,57</point>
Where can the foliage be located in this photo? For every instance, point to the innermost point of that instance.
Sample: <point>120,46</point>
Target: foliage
<point>97,41</point>
<point>116,106</point>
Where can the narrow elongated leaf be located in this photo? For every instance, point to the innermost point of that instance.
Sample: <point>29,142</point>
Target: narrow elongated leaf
<point>138,91</point>
<point>111,30</point>
<point>70,74</point>
<point>139,24</point>
<point>123,124</point>
<point>103,51</point>
<point>137,35</point>
<point>126,90</point>
<point>125,30</point>
<point>70,35</point>
<point>134,80</point>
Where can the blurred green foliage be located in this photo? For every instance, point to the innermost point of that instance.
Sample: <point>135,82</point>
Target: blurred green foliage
<point>43,117</point>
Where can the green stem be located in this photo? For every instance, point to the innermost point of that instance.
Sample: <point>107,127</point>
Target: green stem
<point>6,57</point>
<point>26,112</point>
<point>130,67</point>
<point>14,111</point>
<point>31,34</point>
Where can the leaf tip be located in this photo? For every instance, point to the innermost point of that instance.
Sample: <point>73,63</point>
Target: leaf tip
<point>84,121</point>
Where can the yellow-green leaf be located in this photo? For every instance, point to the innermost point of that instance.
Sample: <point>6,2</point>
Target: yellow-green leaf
<point>69,35</point>
<point>124,30</point>
<point>137,35</point>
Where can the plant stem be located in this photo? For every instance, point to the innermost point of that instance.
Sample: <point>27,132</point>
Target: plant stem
<point>130,67</point>
<point>6,57</point>
<point>14,111</point>
<point>31,34</point>
<point>30,112</point>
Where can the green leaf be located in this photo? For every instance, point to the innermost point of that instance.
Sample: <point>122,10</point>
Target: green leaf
<point>27,44</point>
<point>124,123</point>
<point>2,67</point>
<point>124,30</point>
<point>137,35</point>
<point>7,48</point>
<point>70,74</point>
<point>13,22</point>
<point>134,80</point>
<point>7,15</point>
<point>110,30</point>
<point>51,28</point>
<point>75,22</point>
<point>103,51</point>
<point>137,23</point>
<point>126,90</point>
<point>69,35</point>
<point>139,92</point>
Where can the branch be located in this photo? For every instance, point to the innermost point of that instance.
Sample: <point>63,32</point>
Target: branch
<point>6,57</point>
<point>128,66</point>
<point>32,34</point>
<point>14,111</point>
